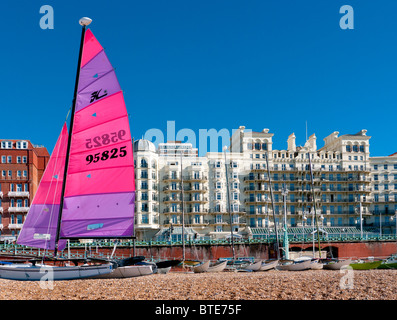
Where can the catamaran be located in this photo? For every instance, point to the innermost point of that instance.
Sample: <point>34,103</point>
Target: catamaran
<point>87,190</point>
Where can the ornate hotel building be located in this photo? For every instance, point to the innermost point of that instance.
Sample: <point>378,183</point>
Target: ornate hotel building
<point>21,167</point>
<point>210,191</point>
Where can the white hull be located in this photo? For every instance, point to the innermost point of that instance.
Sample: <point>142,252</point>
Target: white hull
<point>24,272</point>
<point>337,265</point>
<point>315,265</point>
<point>254,266</point>
<point>268,265</point>
<point>218,267</point>
<point>295,266</point>
<point>163,270</point>
<point>128,272</point>
<point>202,267</point>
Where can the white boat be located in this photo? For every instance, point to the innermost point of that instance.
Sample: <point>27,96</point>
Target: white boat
<point>336,264</point>
<point>268,265</point>
<point>316,265</point>
<point>218,267</point>
<point>163,270</point>
<point>34,272</point>
<point>202,267</point>
<point>256,266</point>
<point>292,265</point>
<point>128,272</point>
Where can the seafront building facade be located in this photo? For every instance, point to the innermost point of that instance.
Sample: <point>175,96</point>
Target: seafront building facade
<point>350,188</point>
<point>22,165</point>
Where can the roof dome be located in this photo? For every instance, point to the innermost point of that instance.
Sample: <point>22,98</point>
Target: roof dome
<point>144,145</point>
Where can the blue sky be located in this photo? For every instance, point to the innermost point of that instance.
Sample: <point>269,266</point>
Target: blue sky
<point>209,64</point>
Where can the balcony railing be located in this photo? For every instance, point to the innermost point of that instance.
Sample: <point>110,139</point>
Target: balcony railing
<point>15,226</point>
<point>18,209</point>
<point>18,193</point>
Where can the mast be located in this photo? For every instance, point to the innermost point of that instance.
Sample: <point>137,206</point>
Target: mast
<point>84,22</point>
<point>284,192</point>
<point>315,209</point>
<point>183,213</point>
<point>271,196</point>
<point>228,205</point>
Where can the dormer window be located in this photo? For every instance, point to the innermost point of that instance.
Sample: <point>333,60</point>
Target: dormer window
<point>22,145</point>
<point>6,145</point>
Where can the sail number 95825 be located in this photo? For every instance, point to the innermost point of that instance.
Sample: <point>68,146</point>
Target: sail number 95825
<point>105,155</point>
<point>105,139</point>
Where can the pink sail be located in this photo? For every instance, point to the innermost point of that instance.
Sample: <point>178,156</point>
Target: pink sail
<point>100,187</point>
<point>39,228</point>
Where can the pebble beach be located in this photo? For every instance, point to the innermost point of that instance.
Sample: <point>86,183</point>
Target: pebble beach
<point>270,285</point>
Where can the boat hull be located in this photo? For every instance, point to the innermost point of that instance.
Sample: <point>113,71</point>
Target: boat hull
<point>163,270</point>
<point>22,272</point>
<point>337,265</point>
<point>202,267</point>
<point>255,266</point>
<point>305,265</point>
<point>218,267</point>
<point>388,266</point>
<point>268,265</point>
<point>128,272</point>
<point>366,265</point>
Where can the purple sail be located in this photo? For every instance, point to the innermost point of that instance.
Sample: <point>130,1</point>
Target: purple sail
<point>40,226</point>
<point>100,187</point>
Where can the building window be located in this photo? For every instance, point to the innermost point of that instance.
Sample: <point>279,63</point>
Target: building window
<point>6,145</point>
<point>24,159</point>
<point>9,159</point>
<point>145,218</point>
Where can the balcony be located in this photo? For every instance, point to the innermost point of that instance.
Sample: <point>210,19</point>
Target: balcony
<point>196,177</point>
<point>15,226</point>
<point>18,209</point>
<point>18,194</point>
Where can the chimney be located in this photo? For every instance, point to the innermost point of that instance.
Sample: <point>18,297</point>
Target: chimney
<point>291,142</point>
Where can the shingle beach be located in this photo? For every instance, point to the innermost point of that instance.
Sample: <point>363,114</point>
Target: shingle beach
<point>271,285</point>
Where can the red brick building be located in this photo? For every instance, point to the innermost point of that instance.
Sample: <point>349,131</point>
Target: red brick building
<point>21,167</point>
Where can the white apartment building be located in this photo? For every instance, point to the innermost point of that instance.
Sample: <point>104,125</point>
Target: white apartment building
<point>347,184</point>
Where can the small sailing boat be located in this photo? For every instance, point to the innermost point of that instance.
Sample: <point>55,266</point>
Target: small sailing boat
<point>336,264</point>
<point>88,188</point>
<point>203,267</point>
<point>268,265</point>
